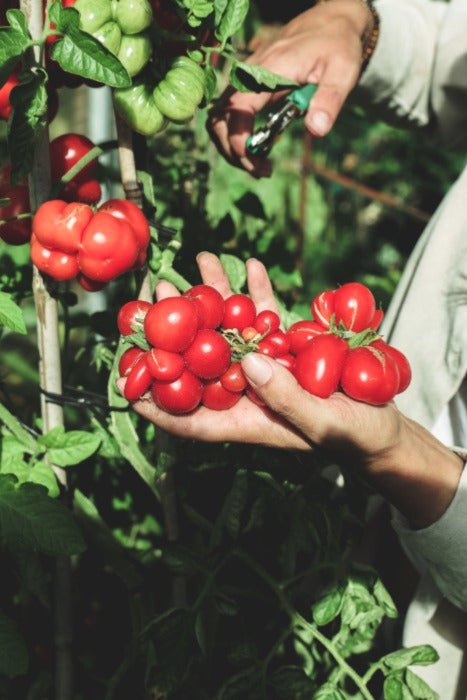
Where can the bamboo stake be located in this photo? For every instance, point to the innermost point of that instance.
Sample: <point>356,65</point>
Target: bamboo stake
<point>51,381</point>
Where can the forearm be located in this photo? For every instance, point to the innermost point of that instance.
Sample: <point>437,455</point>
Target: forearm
<point>419,475</point>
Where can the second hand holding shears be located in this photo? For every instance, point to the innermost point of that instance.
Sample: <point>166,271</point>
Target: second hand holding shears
<point>294,106</point>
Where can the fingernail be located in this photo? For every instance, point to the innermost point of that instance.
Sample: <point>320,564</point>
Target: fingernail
<point>320,123</point>
<point>258,370</point>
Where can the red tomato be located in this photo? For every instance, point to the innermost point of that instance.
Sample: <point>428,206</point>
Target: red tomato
<point>377,319</point>
<point>127,211</point>
<point>239,312</point>
<point>280,341</point>
<point>61,266</point>
<point>130,317</point>
<point>19,231</point>
<point>403,365</point>
<point>370,375</point>
<point>90,285</point>
<point>89,192</point>
<point>319,363</point>
<point>234,378</point>
<point>210,304</point>
<point>164,366</point>
<point>267,322</point>
<point>208,356</point>
<point>354,306</point>
<point>108,248</point>
<point>287,361</point>
<point>181,396</point>
<point>322,307</point>
<point>217,398</point>
<point>138,381</point>
<point>301,332</point>
<point>128,360</point>
<point>65,151</point>
<point>267,348</point>
<point>5,105</point>
<point>60,226</point>
<point>171,324</point>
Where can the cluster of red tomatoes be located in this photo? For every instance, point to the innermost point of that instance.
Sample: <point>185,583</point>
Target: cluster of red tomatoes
<point>186,350</point>
<point>70,240</point>
<point>65,152</point>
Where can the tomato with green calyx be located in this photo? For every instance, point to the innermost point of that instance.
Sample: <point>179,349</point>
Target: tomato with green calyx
<point>130,317</point>
<point>181,90</point>
<point>180,396</point>
<point>370,375</point>
<point>55,263</point>
<point>59,225</point>
<point>318,365</point>
<point>108,248</point>
<point>136,106</point>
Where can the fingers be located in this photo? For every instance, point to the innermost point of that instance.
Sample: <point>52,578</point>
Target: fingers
<point>281,392</point>
<point>213,273</point>
<point>166,289</point>
<point>259,286</point>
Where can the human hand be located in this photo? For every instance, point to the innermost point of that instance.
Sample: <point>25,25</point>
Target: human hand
<point>321,45</point>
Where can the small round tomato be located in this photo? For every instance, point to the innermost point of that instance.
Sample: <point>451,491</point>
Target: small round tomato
<point>131,316</point>
<point>108,248</point>
<point>239,312</point>
<point>139,380</point>
<point>354,306</point>
<point>128,360</point>
<point>403,365</point>
<point>377,319</point>
<point>267,348</point>
<point>267,322</point>
<point>208,356</point>
<point>280,341</point>
<point>180,396</point>
<point>164,366</point>
<point>89,192</point>
<point>287,361</point>
<point>217,398</point>
<point>59,225</point>
<point>61,266</point>
<point>171,324</point>
<point>67,150</point>
<point>210,304</point>
<point>319,364</point>
<point>249,333</point>
<point>301,332</point>
<point>370,375</point>
<point>322,307</point>
<point>234,378</point>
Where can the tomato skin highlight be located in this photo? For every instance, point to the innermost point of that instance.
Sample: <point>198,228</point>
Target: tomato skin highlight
<point>180,396</point>
<point>370,375</point>
<point>239,312</point>
<point>209,354</point>
<point>217,398</point>
<point>171,324</point>
<point>131,315</point>
<point>319,364</point>
<point>210,305</point>
<point>354,306</point>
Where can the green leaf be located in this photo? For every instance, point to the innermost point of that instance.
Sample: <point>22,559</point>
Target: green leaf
<point>29,519</point>
<point>291,682</point>
<point>232,19</point>
<point>29,100</point>
<point>11,314</point>
<point>419,655</point>
<point>200,8</point>
<point>66,449</point>
<point>82,54</point>
<point>328,608</point>
<point>13,652</point>
<point>219,9</point>
<point>247,77</point>
<point>395,689</point>
<point>17,21</point>
<point>235,270</point>
<point>328,692</point>
<point>13,43</point>
<point>210,85</point>
<point>418,687</point>
<point>384,599</point>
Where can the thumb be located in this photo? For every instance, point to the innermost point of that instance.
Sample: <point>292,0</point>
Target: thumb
<point>279,389</point>
<point>334,86</point>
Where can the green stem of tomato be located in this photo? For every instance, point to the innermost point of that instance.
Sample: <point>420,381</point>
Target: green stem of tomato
<point>16,429</point>
<point>77,167</point>
<point>18,217</point>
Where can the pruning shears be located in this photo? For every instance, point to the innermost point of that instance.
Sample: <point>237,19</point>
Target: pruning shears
<point>293,107</point>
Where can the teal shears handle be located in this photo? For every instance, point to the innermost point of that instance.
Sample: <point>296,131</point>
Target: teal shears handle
<point>294,106</point>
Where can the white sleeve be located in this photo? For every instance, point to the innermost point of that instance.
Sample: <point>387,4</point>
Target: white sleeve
<point>417,76</point>
<point>441,548</point>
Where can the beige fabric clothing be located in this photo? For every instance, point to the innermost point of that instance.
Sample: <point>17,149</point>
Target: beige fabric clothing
<point>417,77</point>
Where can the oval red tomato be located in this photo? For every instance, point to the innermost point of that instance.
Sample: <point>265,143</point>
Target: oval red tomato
<point>139,380</point>
<point>208,356</point>
<point>234,378</point>
<point>354,306</point>
<point>370,375</point>
<point>267,321</point>
<point>128,360</point>
<point>319,364</point>
<point>180,396</point>
<point>239,312</point>
<point>217,397</point>
<point>300,332</point>
<point>171,324</point>
<point>210,304</point>
<point>164,366</point>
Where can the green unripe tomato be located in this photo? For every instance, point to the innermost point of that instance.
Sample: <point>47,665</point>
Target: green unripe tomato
<point>181,90</point>
<point>93,14</point>
<point>134,53</point>
<point>133,16</point>
<point>136,106</point>
<point>110,36</point>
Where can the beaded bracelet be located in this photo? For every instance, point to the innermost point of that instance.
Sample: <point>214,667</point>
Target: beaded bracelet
<point>371,34</point>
